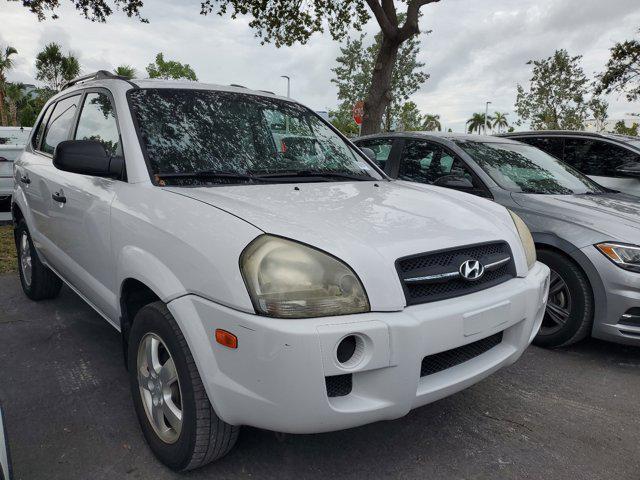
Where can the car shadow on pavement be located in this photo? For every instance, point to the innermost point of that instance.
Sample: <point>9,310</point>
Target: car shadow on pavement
<point>568,413</point>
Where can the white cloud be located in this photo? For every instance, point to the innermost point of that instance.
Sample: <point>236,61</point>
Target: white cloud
<point>477,51</point>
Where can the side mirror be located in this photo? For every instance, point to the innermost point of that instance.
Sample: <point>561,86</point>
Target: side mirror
<point>454,181</point>
<point>86,157</point>
<point>371,155</point>
<point>629,170</point>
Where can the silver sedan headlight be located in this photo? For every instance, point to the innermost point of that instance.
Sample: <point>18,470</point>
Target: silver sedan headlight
<point>287,279</point>
<point>625,256</point>
<point>526,239</point>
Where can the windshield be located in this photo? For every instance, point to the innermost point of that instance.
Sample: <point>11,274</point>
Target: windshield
<point>195,137</point>
<point>526,169</point>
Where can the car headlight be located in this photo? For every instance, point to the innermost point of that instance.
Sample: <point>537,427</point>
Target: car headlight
<point>287,279</point>
<point>625,256</point>
<point>526,239</point>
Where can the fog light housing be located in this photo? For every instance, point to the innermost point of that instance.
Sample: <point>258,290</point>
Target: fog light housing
<point>350,351</point>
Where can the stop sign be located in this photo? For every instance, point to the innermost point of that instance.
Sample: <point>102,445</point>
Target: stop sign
<point>358,112</point>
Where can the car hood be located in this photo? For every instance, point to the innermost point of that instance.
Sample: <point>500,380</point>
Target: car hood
<point>368,225</point>
<point>610,216</point>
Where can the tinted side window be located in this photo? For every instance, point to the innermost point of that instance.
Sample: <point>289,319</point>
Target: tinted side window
<point>594,157</point>
<point>381,147</point>
<point>98,122</point>
<point>552,145</point>
<point>59,126</point>
<point>417,158</point>
<point>37,136</point>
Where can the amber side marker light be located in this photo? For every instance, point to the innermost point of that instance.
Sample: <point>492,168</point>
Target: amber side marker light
<point>226,339</point>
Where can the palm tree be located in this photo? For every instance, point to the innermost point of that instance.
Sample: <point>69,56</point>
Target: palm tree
<point>500,121</point>
<point>476,123</point>
<point>6,63</point>
<point>54,68</point>
<point>126,71</point>
<point>16,99</point>
<point>431,123</point>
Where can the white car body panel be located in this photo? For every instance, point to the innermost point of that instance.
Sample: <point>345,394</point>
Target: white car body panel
<point>185,244</point>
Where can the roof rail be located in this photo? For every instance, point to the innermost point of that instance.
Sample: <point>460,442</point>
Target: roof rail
<point>267,91</point>
<point>236,85</point>
<point>99,75</point>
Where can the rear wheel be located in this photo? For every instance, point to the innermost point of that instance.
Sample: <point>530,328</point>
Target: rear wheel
<point>38,281</point>
<point>569,315</point>
<point>173,409</point>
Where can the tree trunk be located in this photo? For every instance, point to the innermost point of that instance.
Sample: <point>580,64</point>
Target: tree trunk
<point>379,95</point>
<point>3,113</point>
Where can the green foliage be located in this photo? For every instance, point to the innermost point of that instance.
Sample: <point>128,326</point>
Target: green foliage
<point>126,71</point>
<point>621,129</point>
<point>622,72</point>
<point>499,121</point>
<point>342,119</point>
<point>170,69</point>
<point>410,119</point>
<point>431,123</point>
<point>54,68</point>
<point>6,63</point>
<point>354,71</point>
<point>476,123</point>
<point>558,95</point>
<point>94,10</point>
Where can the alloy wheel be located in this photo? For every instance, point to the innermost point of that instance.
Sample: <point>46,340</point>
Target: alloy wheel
<point>558,306</point>
<point>159,387</point>
<point>26,265</point>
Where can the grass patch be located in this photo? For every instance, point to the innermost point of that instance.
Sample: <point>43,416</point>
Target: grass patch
<point>8,262</point>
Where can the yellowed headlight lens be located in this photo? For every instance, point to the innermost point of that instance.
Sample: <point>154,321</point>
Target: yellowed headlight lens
<point>526,239</point>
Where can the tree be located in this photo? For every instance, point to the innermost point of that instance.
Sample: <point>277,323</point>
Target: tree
<point>6,63</point>
<point>622,71</point>
<point>126,71</point>
<point>354,70</point>
<point>170,69</point>
<point>621,129</point>
<point>54,68</point>
<point>599,109</point>
<point>342,119</point>
<point>500,121</point>
<point>286,22</point>
<point>558,94</point>
<point>476,123</point>
<point>16,99</point>
<point>431,123</point>
<point>410,118</point>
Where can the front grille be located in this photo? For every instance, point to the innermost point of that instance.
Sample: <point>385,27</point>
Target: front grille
<point>441,361</point>
<point>448,262</point>
<point>338,385</point>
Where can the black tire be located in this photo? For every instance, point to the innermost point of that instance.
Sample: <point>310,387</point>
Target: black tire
<point>43,284</point>
<point>203,437</point>
<point>574,297</point>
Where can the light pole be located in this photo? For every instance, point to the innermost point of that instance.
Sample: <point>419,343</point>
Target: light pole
<point>288,85</point>
<point>486,116</point>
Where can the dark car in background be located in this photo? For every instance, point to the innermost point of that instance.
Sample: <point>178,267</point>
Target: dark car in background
<point>588,235</point>
<point>611,160</point>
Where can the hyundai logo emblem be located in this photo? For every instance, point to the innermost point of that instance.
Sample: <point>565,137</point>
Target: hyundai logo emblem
<point>471,270</point>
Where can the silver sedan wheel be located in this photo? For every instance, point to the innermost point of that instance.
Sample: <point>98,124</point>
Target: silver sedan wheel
<point>26,265</point>
<point>558,306</point>
<point>160,388</point>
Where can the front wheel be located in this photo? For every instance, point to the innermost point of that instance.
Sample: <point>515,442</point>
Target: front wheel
<point>38,281</point>
<point>569,315</point>
<point>173,409</point>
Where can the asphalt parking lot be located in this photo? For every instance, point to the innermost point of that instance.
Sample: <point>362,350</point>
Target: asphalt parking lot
<point>564,414</point>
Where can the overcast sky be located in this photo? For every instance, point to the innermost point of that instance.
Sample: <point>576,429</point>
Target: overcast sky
<point>477,50</point>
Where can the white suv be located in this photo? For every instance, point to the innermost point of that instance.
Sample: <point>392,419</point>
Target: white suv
<point>288,287</point>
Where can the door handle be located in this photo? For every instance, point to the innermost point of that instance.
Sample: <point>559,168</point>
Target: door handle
<point>59,197</point>
<point>25,179</point>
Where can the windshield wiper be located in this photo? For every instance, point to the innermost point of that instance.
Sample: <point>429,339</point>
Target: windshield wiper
<point>314,174</point>
<point>212,174</point>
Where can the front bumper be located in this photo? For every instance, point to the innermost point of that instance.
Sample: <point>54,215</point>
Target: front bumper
<point>622,291</point>
<point>275,379</point>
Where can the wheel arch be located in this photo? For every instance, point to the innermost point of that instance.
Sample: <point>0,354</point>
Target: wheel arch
<point>554,243</point>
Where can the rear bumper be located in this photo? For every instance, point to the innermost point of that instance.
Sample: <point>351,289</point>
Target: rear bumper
<point>622,294</point>
<point>275,379</point>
